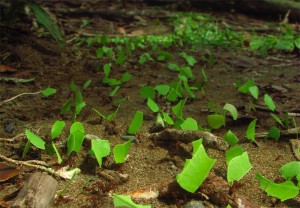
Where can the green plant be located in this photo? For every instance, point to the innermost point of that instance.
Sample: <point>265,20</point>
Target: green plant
<point>145,57</point>
<point>56,130</point>
<point>189,59</point>
<point>196,169</point>
<point>230,138</point>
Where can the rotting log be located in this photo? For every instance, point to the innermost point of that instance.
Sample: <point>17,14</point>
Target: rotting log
<point>38,192</point>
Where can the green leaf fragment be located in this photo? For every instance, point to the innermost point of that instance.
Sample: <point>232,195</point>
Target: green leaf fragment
<point>290,170</point>
<point>269,102</point>
<point>196,169</point>
<point>277,119</point>
<point>215,121</point>
<point>126,201</point>
<point>274,133</point>
<point>230,138</point>
<point>189,124</point>
<point>232,109</point>
<point>136,123</point>
<point>237,167</point>
<point>57,127</point>
<point>254,91</point>
<point>152,105</point>
<point>250,133</point>
<point>49,91</point>
<point>121,151</point>
<point>283,191</point>
<point>101,148</point>
<point>35,140</point>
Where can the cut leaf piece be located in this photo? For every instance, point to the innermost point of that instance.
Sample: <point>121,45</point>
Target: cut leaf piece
<point>231,109</point>
<point>136,123</point>
<point>196,169</point>
<point>126,201</point>
<point>101,149</point>
<point>49,91</point>
<point>167,118</point>
<point>189,124</point>
<point>177,109</point>
<point>57,127</point>
<point>162,89</point>
<point>147,92</point>
<point>233,152</point>
<point>269,102</point>
<point>245,87</point>
<point>274,133</point>
<point>250,133</point>
<point>152,105</point>
<point>254,91</point>
<point>238,167</point>
<point>215,121</point>
<point>35,140</point>
<point>230,138</point>
<point>282,191</point>
<point>290,170</point>
<point>277,119</point>
<point>121,151</point>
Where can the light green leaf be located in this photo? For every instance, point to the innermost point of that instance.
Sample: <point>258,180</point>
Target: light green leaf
<point>114,91</point>
<point>215,121</point>
<point>57,127</point>
<point>177,109</point>
<point>101,148</point>
<point>254,91</point>
<point>112,116</point>
<point>250,133</point>
<point>230,138</point>
<point>121,151</point>
<point>269,102</point>
<point>231,108</point>
<point>126,201</point>
<point>167,118</point>
<point>79,107</point>
<point>147,92</point>
<point>162,89</point>
<point>245,87</point>
<point>35,140</point>
<point>126,77</point>
<point>76,137</point>
<point>106,69</point>
<point>277,119</point>
<point>232,153</point>
<point>189,59</point>
<point>274,133</point>
<point>86,84</point>
<point>282,191</point>
<point>49,91</point>
<point>152,105</point>
<point>136,123</point>
<point>196,169</point>
<point>189,124</point>
<point>290,170</point>
<point>238,167</point>
<point>67,106</point>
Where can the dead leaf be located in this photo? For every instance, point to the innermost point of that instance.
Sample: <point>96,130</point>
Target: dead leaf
<point>7,172</point>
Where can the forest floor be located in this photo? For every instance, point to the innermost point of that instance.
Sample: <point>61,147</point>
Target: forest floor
<point>31,52</point>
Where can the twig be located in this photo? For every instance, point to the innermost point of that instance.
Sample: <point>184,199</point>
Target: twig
<point>285,133</point>
<point>28,164</point>
<point>12,139</point>
<point>25,93</point>
<point>209,139</point>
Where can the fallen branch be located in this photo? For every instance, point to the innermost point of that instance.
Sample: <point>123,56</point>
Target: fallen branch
<point>184,136</point>
<point>15,97</point>
<point>214,188</point>
<point>285,133</point>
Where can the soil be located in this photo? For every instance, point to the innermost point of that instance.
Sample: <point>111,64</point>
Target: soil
<point>32,53</point>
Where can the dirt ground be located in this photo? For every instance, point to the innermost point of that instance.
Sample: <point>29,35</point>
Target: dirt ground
<point>32,54</point>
